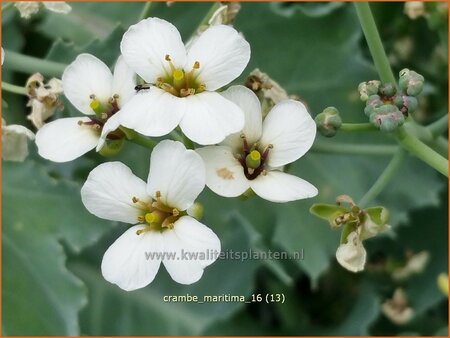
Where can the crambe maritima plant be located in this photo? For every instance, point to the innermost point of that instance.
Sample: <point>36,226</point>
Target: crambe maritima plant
<point>158,211</point>
<point>220,132</point>
<point>182,82</point>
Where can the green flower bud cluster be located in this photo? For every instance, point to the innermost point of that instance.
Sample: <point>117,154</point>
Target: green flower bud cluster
<point>386,107</point>
<point>328,122</point>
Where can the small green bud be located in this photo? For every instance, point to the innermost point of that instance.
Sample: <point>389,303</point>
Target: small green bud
<point>373,102</point>
<point>112,148</point>
<point>387,89</point>
<point>368,88</point>
<point>328,122</point>
<point>411,82</point>
<point>387,117</point>
<point>406,104</point>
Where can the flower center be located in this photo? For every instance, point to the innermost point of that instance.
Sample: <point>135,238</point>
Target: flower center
<point>156,215</point>
<point>253,158</point>
<point>102,113</point>
<point>179,82</point>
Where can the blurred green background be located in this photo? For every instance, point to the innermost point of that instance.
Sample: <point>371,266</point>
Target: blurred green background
<point>52,246</point>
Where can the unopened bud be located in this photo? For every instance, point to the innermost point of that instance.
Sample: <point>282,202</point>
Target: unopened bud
<point>368,88</point>
<point>328,122</point>
<point>411,82</point>
<point>387,89</point>
<point>373,102</point>
<point>406,104</point>
<point>387,117</point>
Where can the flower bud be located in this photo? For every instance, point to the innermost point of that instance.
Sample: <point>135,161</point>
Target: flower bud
<point>373,102</point>
<point>411,82</point>
<point>387,89</point>
<point>387,117</point>
<point>328,122</point>
<point>406,104</point>
<point>368,88</point>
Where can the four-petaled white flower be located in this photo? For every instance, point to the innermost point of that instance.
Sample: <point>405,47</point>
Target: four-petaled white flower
<point>89,85</point>
<point>176,178</point>
<point>28,8</point>
<point>182,83</point>
<point>250,159</point>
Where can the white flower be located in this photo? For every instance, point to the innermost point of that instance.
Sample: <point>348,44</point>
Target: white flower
<point>183,82</point>
<point>250,159</point>
<point>28,8</point>
<point>176,178</point>
<point>89,85</point>
<point>352,255</point>
<point>15,142</point>
<point>397,309</point>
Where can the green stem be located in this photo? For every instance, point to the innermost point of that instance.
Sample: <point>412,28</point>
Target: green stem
<point>354,149</point>
<point>358,127</point>
<point>145,11</point>
<point>373,40</point>
<point>137,138</point>
<point>440,144</point>
<point>215,6</point>
<point>439,127</point>
<point>14,89</point>
<point>385,177</point>
<point>422,151</point>
<point>30,65</point>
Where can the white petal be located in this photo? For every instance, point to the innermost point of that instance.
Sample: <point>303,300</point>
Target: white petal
<point>145,45</point>
<point>250,105</point>
<point>84,77</point>
<point>277,186</point>
<point>196,246</point>
<point>224,174</point>
<point>109,190</point>
<point>178,174</point>
<point>15,142</point>
<point>124,81</point>
<point>291,131</point>
<point>27,8</point>
<point>64,140</point>
<point>153,112</point>
<point>57,6</point>
<point>209,118</point>
<point>127,263</point>
<point>112,124</point>
<point>223,55</point>
<point>352,254</point>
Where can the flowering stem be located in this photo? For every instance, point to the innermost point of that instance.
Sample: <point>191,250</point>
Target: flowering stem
<point>145,11</point>
<point>30,65</point>
<point>385,177</point>
<point>373,40</point>
<point>354,149</point>
<point>440,126</point>
<point>358,127</point>
<point>422,151</point>
<point>13,88</point>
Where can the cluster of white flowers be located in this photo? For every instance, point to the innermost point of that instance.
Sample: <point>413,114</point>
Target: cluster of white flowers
<point>239,150</point>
